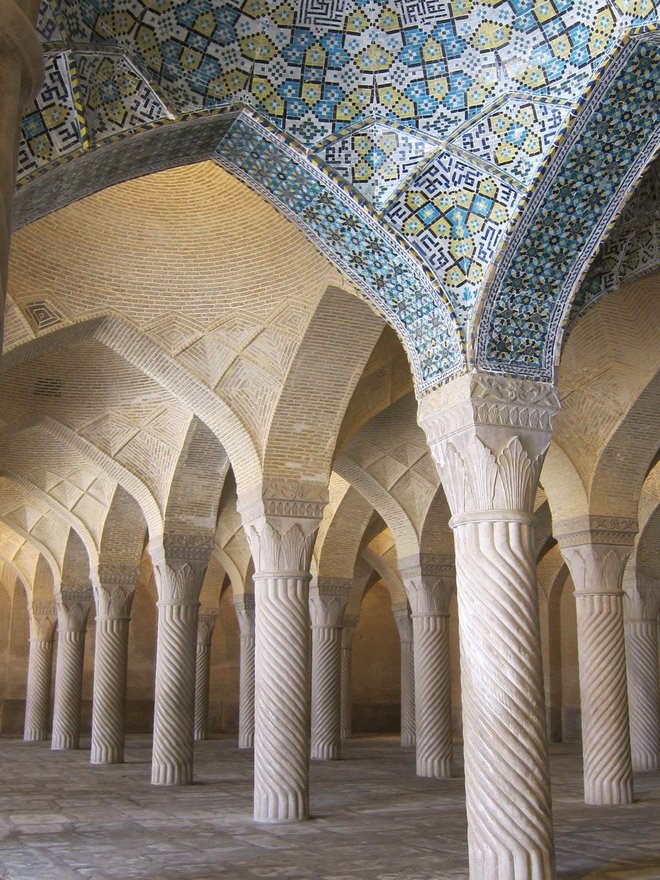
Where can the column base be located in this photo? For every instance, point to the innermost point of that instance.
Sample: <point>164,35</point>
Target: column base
<point>171,775</point>
<point>437,769</point>
<point>35,735</point>
<point>644,761</point>
<point>329,752</point>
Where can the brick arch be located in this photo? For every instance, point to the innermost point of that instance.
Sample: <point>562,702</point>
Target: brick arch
<point>119,336</point>
<point>436,537</point>
<point>318,387</point>
<point>522,313</point>
<point>196,487</point>
<point>124,531</point>
<point>624,462</point>
<point>76,564</point>
<point>41,549</point>
<point>338,552</point>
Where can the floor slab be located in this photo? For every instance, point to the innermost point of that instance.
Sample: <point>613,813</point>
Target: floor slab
<point>63,819</point>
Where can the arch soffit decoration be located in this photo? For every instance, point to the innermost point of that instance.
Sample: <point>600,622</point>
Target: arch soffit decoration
<point>384,248</point>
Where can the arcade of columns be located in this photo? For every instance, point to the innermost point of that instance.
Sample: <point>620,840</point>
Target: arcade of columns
<point>287,486</point>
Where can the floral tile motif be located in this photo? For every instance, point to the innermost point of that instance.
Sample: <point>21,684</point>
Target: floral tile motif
<point>354,240</point>
<point>631,249</point>
<point>526,307</point>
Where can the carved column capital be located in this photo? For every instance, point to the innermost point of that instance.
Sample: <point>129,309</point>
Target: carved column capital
<point>429,582</point>
<point>206,621</point>
<point>488,435</point>
<point>73,604</point>
<point>244,606</point>
<point>403,621</point>
<point>642,598</point>
<point>328,599</point>
<point>43,618</point>
<point>115,590</point>
<point>596,549</point>
<point>180,564</point>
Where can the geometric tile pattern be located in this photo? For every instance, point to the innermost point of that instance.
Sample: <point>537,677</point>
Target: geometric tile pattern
<point>354,240</point>
<point>315,69</point>
<point>526,304</point>
<point>516,136</point>
<point>116,97</point>
<point>455,216</point>
<point>631,249</point>
<point>377,159</point>
<point>51,127</point>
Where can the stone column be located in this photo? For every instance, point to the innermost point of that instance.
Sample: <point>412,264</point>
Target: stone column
<point>345,711</point>
<point>43,617</point>
<point>244,606</point>
<point>641,627</point>
<point>429,585</point>
<point>73,604</point>
<point>327,602</point>
<point>21,73</point>
<point>205,626</point>
<point>596,549</point>
<point>404,625</point>
<point>179,568</point>
<point>281,539</point>
<point>488,435</point>
<point>114,600</point>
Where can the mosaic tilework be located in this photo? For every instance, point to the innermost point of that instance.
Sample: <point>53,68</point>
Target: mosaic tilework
<point>354,240</point>
<point>568,216</point>
<point>377,159</point>
<point>115,96</point>
<point>49,23</point>
<point>51,127</point>
<point>455,216</point>
<point>314,68</point>
<point>631,249</point>
<point>516,136</point>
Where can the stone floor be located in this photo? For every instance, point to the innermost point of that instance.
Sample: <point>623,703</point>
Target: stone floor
<point>61,819</point>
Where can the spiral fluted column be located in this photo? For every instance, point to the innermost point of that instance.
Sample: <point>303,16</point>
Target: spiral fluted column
<point>281,548</point>
<point>641,629</point>
<point>114,600</point>
<point>245,612</point>
<point>179,567</point>
<point>488,436</point>
<point>43,618</point>
<point>205,625</point>
<point>73,606</point>
<point>595,550</point>
<point>327,602</point>
<point>21,72</point>
<point>405,628</point>
<point>345,710</point>
<point>429,584</point>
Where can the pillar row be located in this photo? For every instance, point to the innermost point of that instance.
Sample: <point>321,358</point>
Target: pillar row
<point>404,626</point>
<point>281,537</point>
<point>114,601</point>
<point>346,714</point>
<point>429,585</point>
<point>43,619</point>
<point>328,600</point>
<point>488,436</point>
<point>244,606</point>
<point>73,604</point>
<point>179,567</point>
<point>642,601</point>
<point>596,550</point>
<point>205,625</point>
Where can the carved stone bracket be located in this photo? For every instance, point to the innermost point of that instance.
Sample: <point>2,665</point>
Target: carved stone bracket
<point>180,565</point>
<point>643,598</point>
<point>596,530</point>
<point>403,621</point>
<point>43,617</point>
<point>73,604</point>
<point>328,600</point>
<point>206,621</point>
<point>283,499</point>
<point>282,545</point>
<point>488,436</point>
